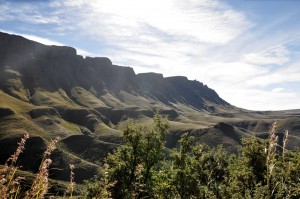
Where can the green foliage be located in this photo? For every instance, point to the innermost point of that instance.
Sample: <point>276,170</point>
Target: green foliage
<point>260,170</point>
<point>246,170</point>
<point>185,180</point>
<point>141,168</point>
<point>134,166</point>
<point>200,171</point>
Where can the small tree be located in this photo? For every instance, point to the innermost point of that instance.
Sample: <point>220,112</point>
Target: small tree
<point>185,179</point>
<point>133,165</point>
<point>199,170</point>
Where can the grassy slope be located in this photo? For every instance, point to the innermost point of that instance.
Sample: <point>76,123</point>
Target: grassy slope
<point>106,136</point>
<point>45,126</point>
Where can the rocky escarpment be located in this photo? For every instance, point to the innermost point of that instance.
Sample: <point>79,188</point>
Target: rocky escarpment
<point>178,89</point>
<point>33,65</point>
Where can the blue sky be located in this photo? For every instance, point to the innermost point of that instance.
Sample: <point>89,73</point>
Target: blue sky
<point>247,50</point>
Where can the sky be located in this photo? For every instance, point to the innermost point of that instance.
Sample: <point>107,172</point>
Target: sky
<point>248,51</point>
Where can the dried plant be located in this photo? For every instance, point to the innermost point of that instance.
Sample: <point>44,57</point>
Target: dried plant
<point>72,183</point>
<point>40,184</point>
<point>10,186</point>
<point>285,169</point>
<point>285,141</point>
<point>271,152</point>
<point>107,185</point>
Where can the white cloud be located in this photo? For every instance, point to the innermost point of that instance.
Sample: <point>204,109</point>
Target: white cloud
<point>257,99</point>
<point>26,12</point>
<point>42,40</point>
<point>4,10</point>
<point>276,55</point>
<point>277,90</point>
<point>85,53</point>
<point>227,73</point>
<point>194,20</point>
<point>286,74</point>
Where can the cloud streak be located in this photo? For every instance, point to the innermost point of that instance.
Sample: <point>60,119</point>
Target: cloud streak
<point>196,21</point>
<point>24,12</point>
<point>277,55</point>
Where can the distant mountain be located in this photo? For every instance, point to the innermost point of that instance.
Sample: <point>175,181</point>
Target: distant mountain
<point>51,91</point>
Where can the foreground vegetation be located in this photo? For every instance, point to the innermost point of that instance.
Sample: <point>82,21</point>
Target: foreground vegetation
<point>144,168</point>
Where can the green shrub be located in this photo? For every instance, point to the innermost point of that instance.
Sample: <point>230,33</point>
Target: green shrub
<point>140,169</point>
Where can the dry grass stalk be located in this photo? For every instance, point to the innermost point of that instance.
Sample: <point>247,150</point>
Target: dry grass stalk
<point>72,183</point>
<point>271,153</point>
<point>105,193</point>
<point>273,140</point>
<point>285,141</point>
<point>286,166</point>
<point>10,185</point>
<point>40,184</point>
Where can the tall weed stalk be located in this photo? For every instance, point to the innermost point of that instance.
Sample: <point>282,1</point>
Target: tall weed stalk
<point>40,184</point>
<point>9,184</point>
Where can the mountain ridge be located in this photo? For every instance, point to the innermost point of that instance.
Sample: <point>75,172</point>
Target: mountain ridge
<point>32,60</point>
<point>51,91</point>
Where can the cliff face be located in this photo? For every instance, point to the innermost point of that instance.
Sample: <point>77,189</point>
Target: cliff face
<point>36,66</point>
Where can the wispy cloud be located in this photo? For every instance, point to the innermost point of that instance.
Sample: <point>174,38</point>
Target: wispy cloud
<point>26,12</point>
<point>195,21</point>
<point>276,55</point>
<point>285,74</point>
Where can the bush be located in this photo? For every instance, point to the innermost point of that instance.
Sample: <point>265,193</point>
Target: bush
<point>140,169</point>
